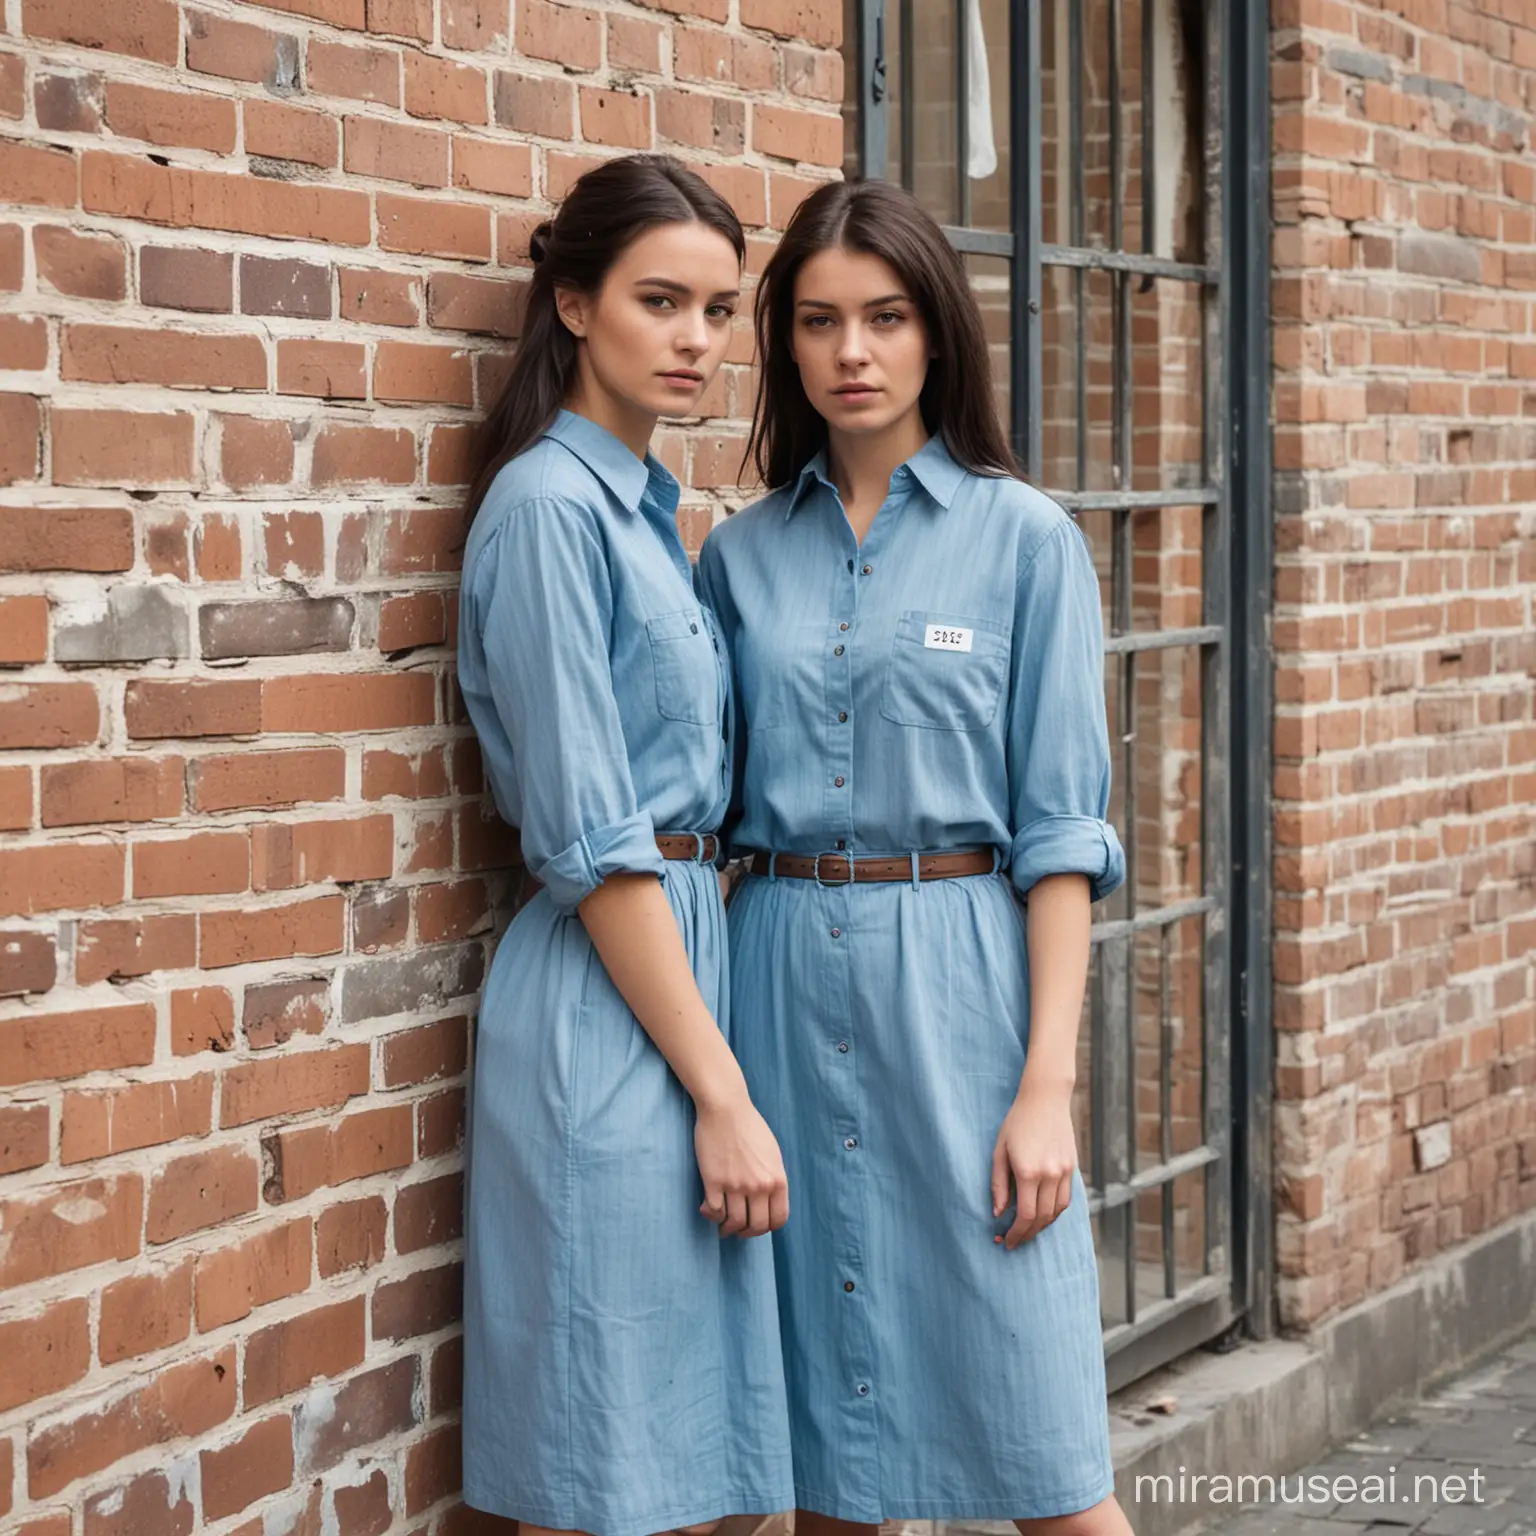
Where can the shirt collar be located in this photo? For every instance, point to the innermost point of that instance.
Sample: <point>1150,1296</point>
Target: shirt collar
<point>931,466</point>
<point>626,476</point>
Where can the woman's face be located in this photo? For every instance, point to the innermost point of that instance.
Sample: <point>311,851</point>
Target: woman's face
<point>859,341</point>
<point>658,329</point>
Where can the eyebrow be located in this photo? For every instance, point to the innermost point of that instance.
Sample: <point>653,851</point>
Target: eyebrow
<point>682,289</point>
<point>889,298</point>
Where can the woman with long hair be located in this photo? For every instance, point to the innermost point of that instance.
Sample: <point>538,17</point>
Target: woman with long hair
<point>622,1372</point>
<point>923,779</point>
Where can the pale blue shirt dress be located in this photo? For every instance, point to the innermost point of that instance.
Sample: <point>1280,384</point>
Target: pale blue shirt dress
<point>938,688</point>
<point>622,1372</point>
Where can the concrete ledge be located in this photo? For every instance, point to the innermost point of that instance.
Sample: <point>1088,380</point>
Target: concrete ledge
<point>1274,1407</point>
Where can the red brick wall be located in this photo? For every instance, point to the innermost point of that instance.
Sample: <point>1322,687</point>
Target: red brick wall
<point>262,266</point>
<point>1405,775</point>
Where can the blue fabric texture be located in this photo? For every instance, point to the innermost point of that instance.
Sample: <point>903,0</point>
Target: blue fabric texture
<point>622,1372</point>
<point>938,687</point>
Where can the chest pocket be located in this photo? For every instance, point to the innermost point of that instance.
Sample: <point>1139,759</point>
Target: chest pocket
<point>686,668</point>
<point>941,687</point>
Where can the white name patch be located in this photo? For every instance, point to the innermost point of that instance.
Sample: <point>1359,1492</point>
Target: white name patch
<point>941,637</point>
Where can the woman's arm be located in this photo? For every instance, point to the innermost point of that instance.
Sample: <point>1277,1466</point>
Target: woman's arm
<point>635,935</point>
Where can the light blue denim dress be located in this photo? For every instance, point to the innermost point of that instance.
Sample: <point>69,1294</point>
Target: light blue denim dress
<point>622,1372</point>
<point>938,688</point>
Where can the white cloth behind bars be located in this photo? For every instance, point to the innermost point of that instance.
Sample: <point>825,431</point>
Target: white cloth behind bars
<point>983,149</point>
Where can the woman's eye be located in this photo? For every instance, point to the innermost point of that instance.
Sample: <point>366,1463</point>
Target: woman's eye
<point>889,317</point>
<point>817,322</point>
<point>658,301</point>
<point>719,311</point>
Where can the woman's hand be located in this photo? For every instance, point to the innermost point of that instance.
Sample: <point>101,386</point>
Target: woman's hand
<point>1037,1152</point>
<point>745,1189</point>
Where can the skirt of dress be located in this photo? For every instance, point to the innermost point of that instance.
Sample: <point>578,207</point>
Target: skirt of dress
<point>931,1372</point>
<point>622,1370</point>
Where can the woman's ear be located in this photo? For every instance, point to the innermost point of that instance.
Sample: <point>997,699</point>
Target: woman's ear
<point>571,306</point>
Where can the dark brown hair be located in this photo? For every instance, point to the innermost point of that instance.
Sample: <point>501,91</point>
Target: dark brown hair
<point>605,210</point>
<point>957,401</point>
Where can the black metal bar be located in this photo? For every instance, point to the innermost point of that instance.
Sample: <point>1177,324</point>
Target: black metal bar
<point>1163,639</point>
<point>1128,261</point>
<point>1136,501</point>
<point>872,95</point>
<point>1024,200</point>
<point>1113,929</point>
<point>1078,231</point>
<point>1148,137</point>
<point>962,112</point>
<point>908,99</point>
<point>1165,1101</point>
<point>983,242</point>
<point>1145,1180</point>
<point>1244,120</point>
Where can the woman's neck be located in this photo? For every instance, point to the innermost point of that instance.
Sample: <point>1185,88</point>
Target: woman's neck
<point>633,427</point>
<point>861,464</point>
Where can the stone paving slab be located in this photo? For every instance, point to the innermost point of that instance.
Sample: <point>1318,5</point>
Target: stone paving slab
<point>1479,1428</point>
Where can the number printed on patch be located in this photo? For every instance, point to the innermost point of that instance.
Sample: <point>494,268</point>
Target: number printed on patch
<point>940,637</point>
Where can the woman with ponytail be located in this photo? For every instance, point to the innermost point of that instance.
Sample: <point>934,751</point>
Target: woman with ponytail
<point>622,1374</point>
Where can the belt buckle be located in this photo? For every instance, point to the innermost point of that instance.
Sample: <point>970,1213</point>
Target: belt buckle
<point>831,885</point>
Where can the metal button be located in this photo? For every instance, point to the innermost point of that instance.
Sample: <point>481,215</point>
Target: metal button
<point>851,1143</point>
<point>837,933</point>
<point>842,1046</point>
<point>848,1286</point>
<point>838,781</point>
<point>863,1389</point>
<point>869,570</point>
<point>842,842</point>
<point>842,717</point>
<point>837,650</point>
<point>694,628</point>
<point>842,626</point>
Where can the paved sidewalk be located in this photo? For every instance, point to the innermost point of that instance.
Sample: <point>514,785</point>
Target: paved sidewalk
<point>1478,1431</point>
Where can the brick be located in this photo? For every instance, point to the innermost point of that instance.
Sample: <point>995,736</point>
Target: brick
<point>358,455</point>
<point>422,541</point>
<point>489,306</point>
<point>23,630</point>
<point>432,1469</point>
<point>149,1505</point>
<point>429,1213</point>
<point>364,1509</point>
<point>236,204</point>
<point>141,29</point>
<point>44,1353</point>
<point>486,165</point>
<point>292,1083</point>
<point>152,450</point>
<point>451,911</point>
<point>70,1226</point>
<point>50,877</point>
<point>116,949</point>
<point>193,708</point>
<point>329,370</point>
<point>360,74</point>
<point>24,1137</point>
<point>259,1463</point>
<point>302,1160</point>
<point>66,539</point>
<point>283,627</point>
<point>254,453</point>
<point>450,460</point>
<point>271,933</point>
<point>443,88</point>
<point>39,1047</point>
<point>615,117</point>
<point>381,919</point>
<point>351,1236</point>
<point>425,1053</point>
<point>391,985</point>
<point>200,1190</point>
<point>24,342</point>
<point>247,781</point>
<point>282,132</point>
<point>440,1123</point>
<point>396,151</point>
<point>475,26</point>
<point>143,1313</point>
<point>328,1341</point>
<point>265,1268</point>
<point>348,702</point>
<point>182,1400</point>
<point>370,1407</point>
<point>13,85</point>
<point>171,277</point>
<point>272,286</point>
<point>274,1013</point>
<point>234,50</point>
<point>792,134</point>
<point>535,104</point>
<point>80,263</point>
<point>217,541</point>
<point>634,44</point>
<point>47,715</point>
<point>12,257</point>
<point>16,810</point>
<point>30,173</point>
<point>136,623</point>
<point>417,776</point>
<point>380,298</point>
<point>21,432</point>
<point>202,1019</point>
<point>417,619</point>
<point>412,373</point>
<point>420,228</point>
<point>285,855</point>
<point>206,863</point>
<point>815,22</point>
<point>700,120</point>
<point>401,18</point>
<point>422,1303</point>
<point>568,35</point>
<point>101,1123</point>
<point>68,103</point>
<point>184,119</point>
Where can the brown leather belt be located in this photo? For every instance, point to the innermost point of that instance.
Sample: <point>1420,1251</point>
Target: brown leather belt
<point>839,869</point>
<point>697,847</point>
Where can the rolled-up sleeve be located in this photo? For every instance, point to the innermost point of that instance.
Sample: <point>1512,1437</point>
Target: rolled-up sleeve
<point>1058,741</point>
<point>548,608</point>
